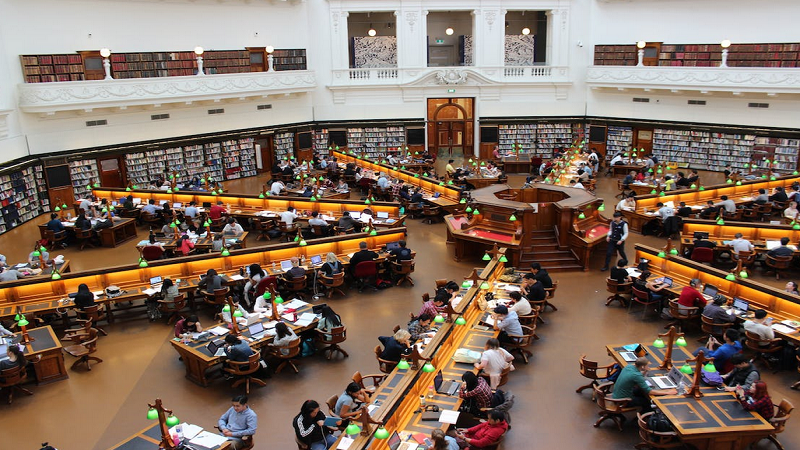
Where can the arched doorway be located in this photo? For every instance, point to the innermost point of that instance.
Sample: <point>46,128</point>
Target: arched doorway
<point>450,126</point>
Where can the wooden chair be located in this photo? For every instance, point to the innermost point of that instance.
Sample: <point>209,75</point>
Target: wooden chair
<point>217,298</point>
<point>217,225</point>
<point>519,343</point>
<point>702,255</point>
<point>264,226</point>
<point>297,286</point>
<point>85,237</point>
<point>375,380</point>
<point>503,376</point>
<point>332,339</point>
<point>300,444</point>
<point>751,214</point>
<point>777,264</point>
<point>152,252</point>
<point>332,284</point>
<point>431,214</point>
<point>289,231</point>
<point>643,298</point>
<point>244,370</point>
<point>551,293</point>
<point>797,384</point>
<point>764,211</point>
<point>318,231</point>
<point>384,365</point>
<point>617,290</point>
<point>681,314</point>
<point>152,220</point>
<point>364,273</point>
<point>94,314</point>
<point>173,308</point>
<point>717,330</point>
<point>342,231</point>
<point>403,270</point>
<point>55,239</point>
<point>762,347</point>
<point>782,414</point>
<point>12,380</point>
<point>440,283</point>
<point>593,371</point>
<point>331,403</point>
<point>84,350</point>
<point>655,439</point>
<point>611,408</point>
<point>736,217</point>
<point>294,350</point>
<point>414,210</point>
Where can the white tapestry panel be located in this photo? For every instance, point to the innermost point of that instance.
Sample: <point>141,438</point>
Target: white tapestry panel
<point>378,51</point>
<point>468,50</point>
<point>519,50</point>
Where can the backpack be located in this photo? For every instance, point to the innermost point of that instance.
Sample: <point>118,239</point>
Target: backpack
<point>307,348</point>
<point>711,378</point>
<point>658,421</point>
<point>613,373</point>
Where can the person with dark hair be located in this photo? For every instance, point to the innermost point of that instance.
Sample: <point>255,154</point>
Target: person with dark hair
<point>187,325</point>
<point>431,307</point>
<point>727,204</point>
<point>283,337</point>
<point>532,289</point>
<point>779,195</point>
<point>15,359</point>
<point>254,274</point>
<point>349,404</point>
<point>232,227</point>
<point>483,434</point>
<point>442,442</point>
<point>619,273</point>
<point>329,320</point>
<point>309,429</point>
<point>54,224</point>
<point>237,349</point>
<point>420,326</point>
<point>476,389</point>
<point>684,211</point>
<point>493,361</point>
<point>757,399</point>
<point>84,298</point>
<point>723,353</point>
<point>762,197</point>
<point>519,304</point>
<point>744,374</point>
<point>791,288</point>
<point>717,313</point>
<point>617,234</point>
<point>507,323</point>
<point>541,275</point>
<point>363,254</point>
<point>631,384</point>
<point>238,422</point>
<point>710,211</point>
<point>758,326</point>
<point>690,297</point>
<point>783,250</point>
<point>211,281</point>
<point>184,245</point>
<point>402,253</point>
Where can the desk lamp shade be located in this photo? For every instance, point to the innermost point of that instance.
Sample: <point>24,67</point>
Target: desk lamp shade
<point>438,319</point>
<point>602,207</point>
<point>659,343</point>
<point>416,175</point>
<point>23,322</point>
<point>475,211</point>
<point>278,300</point>
<point>367,202</point>
<point>702,188</point>
<point>687,369</point>
<point>462,201</point>
<point>128,189</point>
<point>37,253</point>
<point>486,257</point>
<point>729,181</point>
<point>17,318</point>
<point>403,365</point>
<point>720,221</point>
<point>441,183</point>
<point>428,368</point>
<point>766,161</point>
<point>297,238</point>
<point>693,186</point>
<point>214,192</point>
<point>581,216</point>
<point>662,254</point>
<point>152,414</point>
<point>469,209</point>
<point>738,183</point>
<point>261,195</point>
<point>237,313</point>
<point>772,178</point>
<point>743,274</point>
<point>226,308</point>
<point>730,277</point>
<point>374,232</point>
<point>303,242</point>
<point>402,210</point>
<point>352,429</point>
<point>143,263</point>
<point>135,186</point>
<point>466,284</point>
<point>653,191</point>
<point>202,180</point>
<point>503,259</point>
<point>796,226</point>
<point>169,190</point>
<point>662,193</point>
<point>381,433</point>
<point>673,251</point>
<point>172,421</point>
<point>225,251</point>
<point>710,367</point>
<point>425,174</point>
<point>795,173</point>
<point>484,285</point>
<point>681,341</point>
<point>461,321</point>
<point>659,171</point>
<point>450,182</point>
<point>267,295</point>
<point>57,209</point>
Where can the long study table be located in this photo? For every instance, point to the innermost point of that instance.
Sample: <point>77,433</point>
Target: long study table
<point>150,438</point>
<point>757,233</point>
<point>122,230</point>
<point>46,345</point>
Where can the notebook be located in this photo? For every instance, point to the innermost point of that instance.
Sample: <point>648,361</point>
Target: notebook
<point>316,260</point>
<point>216,347</point>
<point>670,381</point>
<point>383,215</point>
<point>355,214</point>
<point>286,265</point>
<point>395,443</point>
<point>392,246</point>
<point>256,330</point>
<point>448,387</point>
<point>740,306</point>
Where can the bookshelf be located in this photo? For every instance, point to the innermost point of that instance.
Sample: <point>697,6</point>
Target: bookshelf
<point>174,161</point>
<point>229,61</point>
<point>705,55</point>
<point>320,142</point>
<point>703,149</point>
<point>136,167</point>
<point>193,161</point>
<point>618,139</point>
<point>522,134</point>
<point>615,55</point>
<point>284,145</point>
<point>783,152</point>
<point>23,196</point>
<point>41,187</point>
<point>578,133</point>
<point>550,136</point>
<point>156,162</point>
<point>395,139</point>
<point>355,140</point>
<point>213,167</point>
<point>376,142</point>
<point>82,172</point>
<point>50,68</point>
<point>291,59</point>
<point>674,145</point>
<point>239,158</point>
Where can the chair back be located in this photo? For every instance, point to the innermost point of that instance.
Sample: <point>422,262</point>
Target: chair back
<point>785,409</point>
<point>604,400</point>
<point>335,335</point>
<point>152,252</point>
<point>83,234</point>
<point>403,267</point>
<point>89,346</point>
<point>757,343</point>
<point>440,283</point>
<point>242,368</point>
<point>265,282</point>
<point>588,368</point>
<point>551,292</point>
<point>91,312</point>
<point>286,228</point>
<point>639,295</point>
<point>365,269</point>
<point>615,287</point>
<point>293,347</point>
<point>331,402</point>
<point>528,334</point>
<point>747,257</point>
<point>709,327</point>
<point>384,365</point>
<point>296,284</point>
<point>529,319</point>
<point>177,304</point>
<point>317,230</point>
<point>778,262</point>
<point>681,312</point>
<point>333,281</point>
<point>656,439</point>
<point>702,255</point>
<point>219,295</point>
<point>13,376</point>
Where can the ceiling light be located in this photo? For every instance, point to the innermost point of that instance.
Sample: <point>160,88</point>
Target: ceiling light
<point>371,31</point>
<point>726,43</point>
<point>449,31</point>
<point>198,51</point>
<point>641,44</point>
<point>526,31</point>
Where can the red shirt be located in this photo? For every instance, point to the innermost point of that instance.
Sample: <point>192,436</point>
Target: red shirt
<point>691,297</point>
<point>216,212</point>
<point>486,434</point>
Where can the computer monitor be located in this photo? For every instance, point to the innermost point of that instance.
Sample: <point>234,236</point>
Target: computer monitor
<point>155,280</point>
<point>383,215</point>
<point>740,304</point>
<point>316,260</point>
<point>286,265</point>
<point>699,235</point>
<point>206,204</point>
<point>710,290</point>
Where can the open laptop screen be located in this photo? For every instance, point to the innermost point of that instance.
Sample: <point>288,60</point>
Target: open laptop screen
<point>316,260</point>
<point>255,328</point>
<point>710,290</point>
<point>740,304</point>
<point>383,215</point>
<point>155,280</point>
<point>438,380</point>
<point>286,265</point>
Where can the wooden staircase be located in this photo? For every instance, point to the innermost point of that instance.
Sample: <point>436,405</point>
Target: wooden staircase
<point>545,250</point>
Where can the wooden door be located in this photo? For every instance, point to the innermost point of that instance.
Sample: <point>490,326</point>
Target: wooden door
<point>643,139</point>
<point>450,136</point>
<point>258,59</point>
<point>111,172</point>
<point>267,153</point>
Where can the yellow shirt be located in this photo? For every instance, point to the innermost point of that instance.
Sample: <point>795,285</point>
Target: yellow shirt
<point>449,168</point>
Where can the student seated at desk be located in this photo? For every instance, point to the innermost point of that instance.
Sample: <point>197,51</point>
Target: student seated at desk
<point>237,422</point>
<point>704,243</point>
<point>723,353</point>
<point>783,250</point>
<point>532,288</point>
<point>758,326</point>
<point>778,195</point>
<point>288,217</point>
<point>727,204</point>
<point>187,325</point>
<point>756,399</point>
<point>710,211</point>
<point>150,207</point>
<point>4,331</point>
<point>717,314</point>
<point>653,288</point>
<point>791,288</point>
<point>541,275</point>
<point>619,273</point>
<point>33,260</point>
<point>84,298</point>
<point>82,222</point>
<point>283,337</point>
<point>494,361</point>
<point>789,213</point>
<point>329,320</point>
<point>507,323</point>
<point>217,242</point>
<point>684,211</point>
<point>628,203</point>
<point>346,222</point>
<point>519,304</point>
<point>740,244</point>
<point>7,274</point>
<point>166,212</point>
<point>184,245</point>
<point>363,254</point>
<point>485,434</point>
<point>309,427</point>
<point>210,281</point>
<point>342,186</point>
<point>54,224</point>
<point>401,253</point>
<point>762,197</point>
<point>315,220</point>
<point>420,327</point>
<point>232,227</point>
<point>397,346</point>
<point>15,359</point>
<point>476,393</point>
<point>191,210</point>
<point>168,293</point>
<point>349,404</point>
<point>431,307</point>
<point>167,230</point>
<point>743,375</point>
<point>296,271</point>
<point>236,349</point>
<point>216,211</point>
<point>631,384</point>
<point>332,266</point>
<point>254,273</point>
<point>690,297</point>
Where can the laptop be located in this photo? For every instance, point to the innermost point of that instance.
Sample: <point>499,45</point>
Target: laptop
<point>3,352</point>
<point>316,260</point>
<point>395,443</point>
<point>114,203</point>
<point>155,281</point>
<point>137,201</point>
<point>206,204</point>
<point>286,265</point>
<point>176,205</point>
<point>216,347</point>
<point>709,291</point>
<point>256,330</point>
<point>671,381</point>
<point>383,215</point>
<point>437,195</point>
<point>700,235</point>
<point>667,281</point>
<point>448,387</point>
<point>161,202</point>
<point>355,215</point>
<point>317,309</point>
<point>631,356</point>
<point>392,246</point>
<point>740,306</point>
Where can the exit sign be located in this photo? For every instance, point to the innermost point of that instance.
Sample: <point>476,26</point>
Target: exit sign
<point>440,41</point>
<point>451,91</point>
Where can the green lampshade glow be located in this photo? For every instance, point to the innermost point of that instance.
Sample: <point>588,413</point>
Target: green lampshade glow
<point>267,295</point>
<point>214,192</point>
<point>367,202</point>
<point>660,171</point>
<point>58,208</point>
<point>128,189</point>
<point>450,182</point>
<point>476,212</point>
<point>374,232</point>
<point>469,209</point>
<point>402,167</point>
<point>461,321</point>
<point>653,191</point>
<point>402,210</point>
<point>503,259</point>
<point>795,173</point>
<point>484,285</point>
<point>207,223</point>
<point>513,218</point>
<point>172,421</point>
<point>152,414</point>
<point>738,183</point>
<point>428,368</point>
<point>438,319</point>
<point>659,343</point>
<point>730,277</point>
<point>352,429</point>
<point>772,178</point>
<point>202,180</point>
<point>425,174</point>
<point>710,367</point>
<point>441,183</point>
<point>37,253</point>
<point>720,221</point>
<point>766,161</point>
<point>23,322</point>
<point>702,188</point>
<point>17,318</point>
<point>303,242</point>
<point>693,186</point>
<point>764,176</point>
<point>314,179</point>
<point>662,255</point>
<point>143,263</point>
<point>661,193</point>
<point>746,165</point>
<point>172,225</point>
<point>403,365</point>
<point>297,238</point>
<point>381,433</point>
<point>673,251</point>
<point>89,187</point>
<point>169,190</point>
<point>278,300</point>
<point>237,313</point>
<point>687,369</point>
<point>650,170</point>
<point>226,308</point>
<point>581,216</point>
<point>225,252</point>
<point>602,207</point>
<point>135,186</point>
<point>466,284</point>
<point>462,201</point>
<point>55,275</point>
<point>416,175</point>
<point>743,274</point>
<point>313,198</point>
<point>261,195</point>
<point>681,341</point>
<point>483,163</point>
<point>796,226</point>
<point>486,257</point>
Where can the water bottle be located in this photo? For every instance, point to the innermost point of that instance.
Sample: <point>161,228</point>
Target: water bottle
<point>422,401</point>
<point>273,266</point>
<point>179,431</point>
<point>431,392</point>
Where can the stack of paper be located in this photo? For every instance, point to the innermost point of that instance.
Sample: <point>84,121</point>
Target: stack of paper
<point>294,304</point>
<point>208,440</point>
<point>305,319</point>
<point>219,331</point>
<point>344,443</point>
<point>149,292</point>
<point>449,416</point>
<point>236,277</point>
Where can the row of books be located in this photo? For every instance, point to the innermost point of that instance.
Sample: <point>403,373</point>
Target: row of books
<point>23,196</point>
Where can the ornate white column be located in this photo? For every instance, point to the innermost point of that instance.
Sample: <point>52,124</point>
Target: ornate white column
<point>489,36</point>
<point>558,37</point>
<point>411,38</point>
<point>339,46</point>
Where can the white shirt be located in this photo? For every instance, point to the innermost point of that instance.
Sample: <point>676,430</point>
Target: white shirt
<point>191,211</point>
<point>383,183</point>
<point>741,245</point>
<point>288,217</point>
<point>85,204</point>
<point>522,307</point>
<point>623,206</point>
<point>578,185</point>
<point>764,331</point>
<point>729,205</point>
<point>790,213</point>
<point>317,221</point>
<point>233,228</point>
<point>262,306</point>
<point>665,212</point>
<point>276,188</point>
<point>616,159</point>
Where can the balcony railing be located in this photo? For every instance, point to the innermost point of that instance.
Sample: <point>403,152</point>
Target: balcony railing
<point>705,79</point>
<point>367,77</point>
<point>51,98</point>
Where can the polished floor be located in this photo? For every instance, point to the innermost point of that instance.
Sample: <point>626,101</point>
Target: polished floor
<point>95,410</point>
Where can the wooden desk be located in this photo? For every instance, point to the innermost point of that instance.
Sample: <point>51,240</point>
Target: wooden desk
<point>513,164</point>
<point>122,231</point>
<point>43,275</point>
<point>625,169</point>
<point>51,366</point>
<point>150,438</point>
<point>202,243</point>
